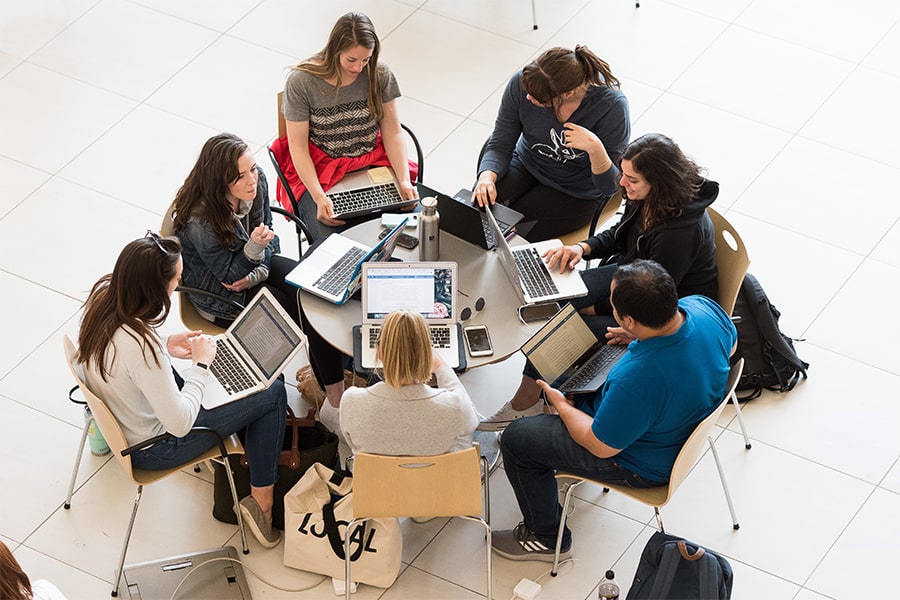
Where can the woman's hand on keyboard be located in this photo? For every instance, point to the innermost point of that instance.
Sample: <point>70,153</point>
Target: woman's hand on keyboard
<point>409,192</point>
<point>203,349</point>
<point>564,256</point>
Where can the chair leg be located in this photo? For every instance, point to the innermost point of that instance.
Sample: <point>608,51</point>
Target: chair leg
<point>237,505</point>
<point>486,493</point>
<point>659,522</point>
<point>534,15</point>
<point>715,453</point>
<point>570,488</point>
<point>84,434</point>
<point>740,418</point>
<point>121,565</point>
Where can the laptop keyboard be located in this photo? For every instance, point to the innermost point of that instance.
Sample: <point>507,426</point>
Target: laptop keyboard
<point>337,277</point>
<point>367,200</point>
<point>601,362</point>
<point>440,336</point>
<point>229,370</point>
<point>489,233</point>
<point>534,274</point>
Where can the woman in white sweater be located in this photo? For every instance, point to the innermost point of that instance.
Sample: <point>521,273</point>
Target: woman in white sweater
<point>404,415</point>
<point>129,365</point>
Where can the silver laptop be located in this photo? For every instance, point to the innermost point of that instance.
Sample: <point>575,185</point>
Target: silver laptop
<point>332,268</point>
<point>529,274</point>
<point>569,356</point>
<point>252,352</point>
<point>428,288</point>
<point>365,192</point>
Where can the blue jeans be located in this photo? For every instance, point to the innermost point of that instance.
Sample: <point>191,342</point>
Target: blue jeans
<point>533,449</point>
<point>263,414</point>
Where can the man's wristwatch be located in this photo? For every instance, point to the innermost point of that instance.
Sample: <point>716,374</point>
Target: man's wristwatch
<point>202,365</point>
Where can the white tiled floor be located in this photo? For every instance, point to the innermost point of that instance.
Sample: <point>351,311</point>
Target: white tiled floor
<point>105,103</point>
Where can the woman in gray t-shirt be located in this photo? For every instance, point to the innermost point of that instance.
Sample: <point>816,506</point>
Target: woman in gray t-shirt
<point>338,101</point>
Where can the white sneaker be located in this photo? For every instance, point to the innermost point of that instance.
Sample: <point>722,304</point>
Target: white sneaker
<point>507,414</point>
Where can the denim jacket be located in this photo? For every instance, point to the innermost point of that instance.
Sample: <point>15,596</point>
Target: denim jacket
<point>207,263</point>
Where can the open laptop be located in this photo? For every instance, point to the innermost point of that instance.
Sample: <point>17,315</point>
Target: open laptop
<point>569,356</point>
<point>529,274</point>
<point>460,218</point>
<point>428,288</point>
<point>331,269</point>
<point>365,192</point>
<point>252,352</point>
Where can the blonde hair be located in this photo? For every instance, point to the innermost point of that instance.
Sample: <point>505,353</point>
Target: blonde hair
<point>405,349</point>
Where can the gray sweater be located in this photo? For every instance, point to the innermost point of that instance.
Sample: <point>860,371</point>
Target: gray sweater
<point>415,420</point>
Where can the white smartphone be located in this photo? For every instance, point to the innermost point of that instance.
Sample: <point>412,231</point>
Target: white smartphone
<point>477,340</point>
<point>391,220</point>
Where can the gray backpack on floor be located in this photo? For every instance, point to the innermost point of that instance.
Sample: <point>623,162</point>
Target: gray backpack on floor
<point>672,568</point>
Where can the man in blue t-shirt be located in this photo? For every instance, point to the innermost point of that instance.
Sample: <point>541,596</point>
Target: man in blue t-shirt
<point>630,432</point>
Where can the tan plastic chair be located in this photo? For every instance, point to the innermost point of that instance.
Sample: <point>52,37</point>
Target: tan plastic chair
<point>605,212</point>
<point>445,485</point>
<point>657,497</point>
<point>115,439</point>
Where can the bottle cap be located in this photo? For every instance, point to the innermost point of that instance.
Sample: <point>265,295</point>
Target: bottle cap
<point>429,204</point>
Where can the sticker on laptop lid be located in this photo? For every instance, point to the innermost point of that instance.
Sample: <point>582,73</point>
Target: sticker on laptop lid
<point>380,175</point>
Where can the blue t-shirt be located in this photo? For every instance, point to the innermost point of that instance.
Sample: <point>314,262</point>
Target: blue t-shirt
<point>662,388</point>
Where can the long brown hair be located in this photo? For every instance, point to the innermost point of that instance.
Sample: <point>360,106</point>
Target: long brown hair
<point>134,295</point>
<point>205,191</point>
<point>560,70</point>
<point>351,30</point>
<point>674,178</point>
<point>14,583</point>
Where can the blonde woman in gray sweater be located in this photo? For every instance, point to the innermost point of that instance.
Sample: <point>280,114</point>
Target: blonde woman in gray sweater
<point>404,415</point>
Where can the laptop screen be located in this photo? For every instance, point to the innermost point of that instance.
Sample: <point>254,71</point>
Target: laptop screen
<point>264,335</point>
<point>559,344</point>
<point>427,289</point>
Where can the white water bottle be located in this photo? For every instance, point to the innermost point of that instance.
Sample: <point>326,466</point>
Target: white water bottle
<point>429,231</point>
<point>608,589</point>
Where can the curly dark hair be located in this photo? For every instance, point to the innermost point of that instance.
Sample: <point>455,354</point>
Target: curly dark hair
<point>673,177</point>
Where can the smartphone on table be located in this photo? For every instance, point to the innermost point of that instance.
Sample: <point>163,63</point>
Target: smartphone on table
<point>529,313</point>
<point>404,241</point>
<point>477,340</point>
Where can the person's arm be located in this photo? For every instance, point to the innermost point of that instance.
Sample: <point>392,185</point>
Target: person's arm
<point>578,423</point>
<point>499,149</point>
<point>394,140</point>
<point>613,128</point>
<point>298,143</point>
<point>226,265</point>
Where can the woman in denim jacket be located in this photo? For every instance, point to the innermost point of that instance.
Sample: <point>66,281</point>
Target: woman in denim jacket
<point>223,220</point>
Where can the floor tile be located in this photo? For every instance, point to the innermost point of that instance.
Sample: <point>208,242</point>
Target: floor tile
<point>888,249</point>
<point>892,480</point>
<point>512,19</point>
<point>821,403</point>
<point>452,165</point>
<point>8,62</point>
<point>82,111</point>
<point>20,181</point>
<point>829,329</point>
<point>804,533</point>
<point>219,15</point>
<point>249,111</point>
<point>876,123</point>
<point>866,546</point>
<point>26,26</point>
<point>106,226</point>
<point>460,86</point>
<point>719,78</point>
<point>882,56</point>
<point>797,192</point>
<point>70,581</point>
<point>630,39</point>
<point>857,30</point>
<point>103,47</point>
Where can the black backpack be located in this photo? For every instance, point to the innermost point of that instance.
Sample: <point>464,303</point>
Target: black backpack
<point>770,361</point>
<point>674,568</point>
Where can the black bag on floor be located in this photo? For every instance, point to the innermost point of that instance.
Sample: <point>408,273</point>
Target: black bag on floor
<point>676,569</point>
<point>770,361</point>
<point>306,441</point>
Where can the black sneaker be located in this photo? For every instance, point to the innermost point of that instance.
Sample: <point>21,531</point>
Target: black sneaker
<point>521,544</point>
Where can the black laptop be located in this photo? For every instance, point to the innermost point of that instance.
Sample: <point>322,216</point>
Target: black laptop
<point>461,218</point>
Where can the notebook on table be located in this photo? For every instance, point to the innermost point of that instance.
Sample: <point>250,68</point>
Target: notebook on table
<point>331,269</point>
<point>568,355</point>
<point>528,273</point>
<point>428,288</point>
<point>252,352</point>
<point>365,192</point>
<point>470,223</point>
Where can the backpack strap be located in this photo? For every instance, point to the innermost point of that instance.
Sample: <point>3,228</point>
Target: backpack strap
<point>665,573</point>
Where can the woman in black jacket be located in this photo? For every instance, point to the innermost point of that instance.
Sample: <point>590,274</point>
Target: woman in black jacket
<point>665,221</point>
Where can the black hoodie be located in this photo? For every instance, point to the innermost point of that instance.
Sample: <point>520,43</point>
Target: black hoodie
<point>685,246</point>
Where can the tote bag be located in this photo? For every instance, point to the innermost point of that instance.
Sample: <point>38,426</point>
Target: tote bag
<point>316,512</point>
